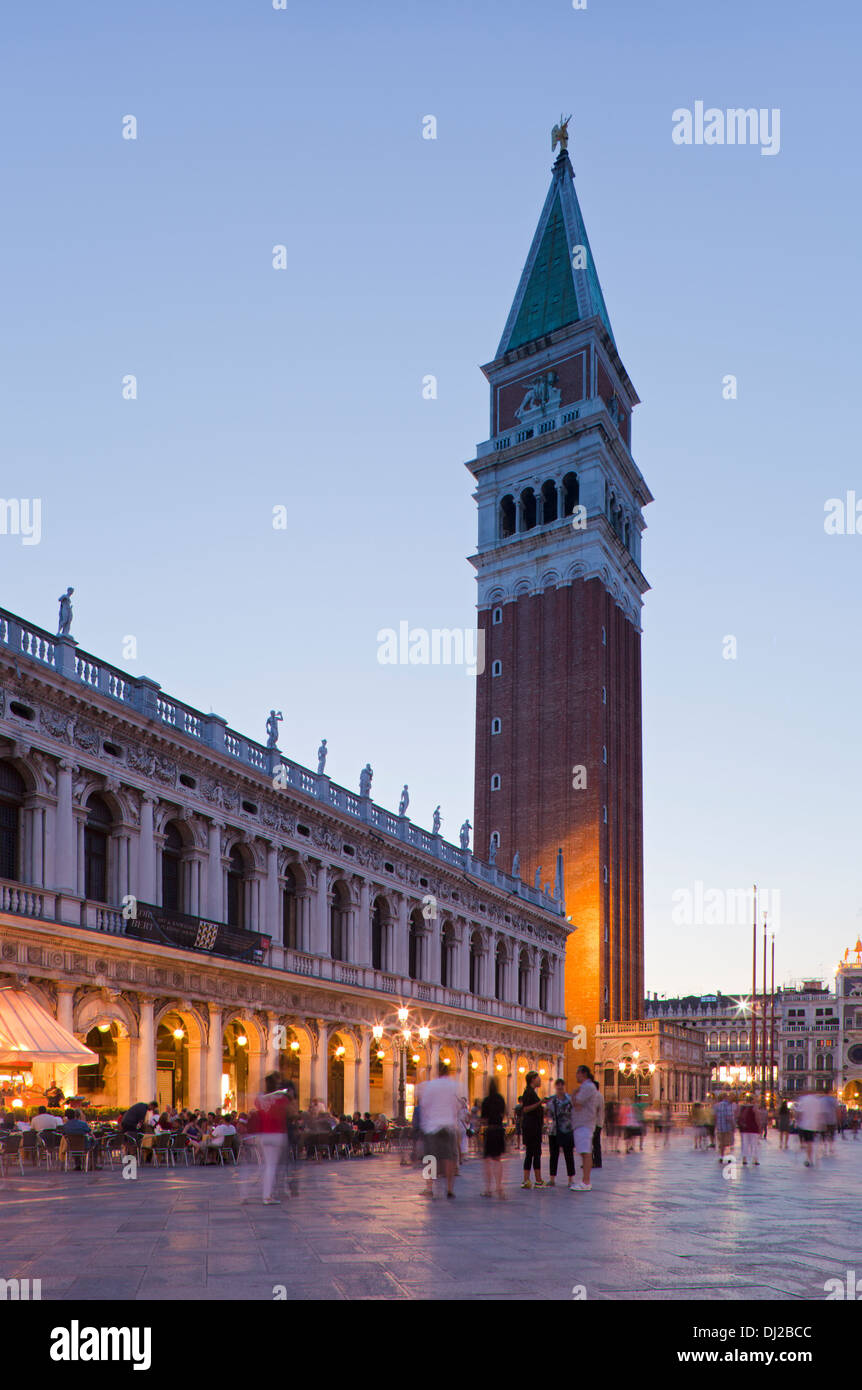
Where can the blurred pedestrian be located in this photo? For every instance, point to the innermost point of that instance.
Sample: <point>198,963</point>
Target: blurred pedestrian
<point>270,1133</point>
<point>492,1120</point>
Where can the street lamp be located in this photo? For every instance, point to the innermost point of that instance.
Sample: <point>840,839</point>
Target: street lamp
<point>402,1041</point>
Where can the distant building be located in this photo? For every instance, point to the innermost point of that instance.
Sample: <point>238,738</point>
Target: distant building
<point>809,1038</point>
<point>848,1052</point>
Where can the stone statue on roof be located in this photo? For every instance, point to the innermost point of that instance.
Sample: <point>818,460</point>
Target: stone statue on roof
<point>272,724</point>
<point>321,757</point>
<point>65,624</point>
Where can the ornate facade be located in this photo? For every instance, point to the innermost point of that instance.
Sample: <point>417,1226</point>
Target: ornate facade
<point>201,910</point>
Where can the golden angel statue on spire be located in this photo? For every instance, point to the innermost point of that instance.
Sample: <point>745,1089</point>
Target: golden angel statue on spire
<point>560,134</point>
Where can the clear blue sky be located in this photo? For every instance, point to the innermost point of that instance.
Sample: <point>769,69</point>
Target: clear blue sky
<point>303,387</point>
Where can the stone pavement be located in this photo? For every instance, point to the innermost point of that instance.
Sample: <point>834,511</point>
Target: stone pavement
<point>662,1224</point>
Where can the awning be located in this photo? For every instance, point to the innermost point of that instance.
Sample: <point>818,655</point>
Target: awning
<point>29,1034</point>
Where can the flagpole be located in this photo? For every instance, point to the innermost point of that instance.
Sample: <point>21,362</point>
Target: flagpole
<point>763,1026</point>
<point>753,1048</point>
<point>772,1025</point>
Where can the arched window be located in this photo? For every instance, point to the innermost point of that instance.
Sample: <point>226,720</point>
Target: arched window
<point>447,956</point>
<point>289,915</point>
<point>96,833</point>
<point>496,668</point>
<point>713,1040</point>
<point>497,617</point>
<point>544,983</point>
<point>172,868</point>
<point>379,920</point>
<point>338,922</point>
<point>414,945</point>
<point>528,508</point>
<point>475,964</point>
<point>12,792</point>
<point>496,726</point>
<point>523,977</point>
<point>236,889</point>
<point>507,517</point>
<point>500,971</point>
<point>571,493</point>
<point>495,782</point>
<point>549,501</point>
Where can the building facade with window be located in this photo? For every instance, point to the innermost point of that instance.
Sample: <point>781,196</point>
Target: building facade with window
<point>725,1021</point>
<point>809,1038</point>
<point>202,910</point>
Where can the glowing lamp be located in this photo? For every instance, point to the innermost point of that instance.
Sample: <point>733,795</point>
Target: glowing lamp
<point>424,1034</point>
<point>415,1057</point>
<point>381,1054</point>
<point>377,1032</point>
<point>178,1034</point>
<point>104,1027</point>
<point>403,1014</point>
<point>499,1066</point>
<point>242,1040</point>
<point>294,1046</point>
<point>340,1051</point>
<point>475,1066</point>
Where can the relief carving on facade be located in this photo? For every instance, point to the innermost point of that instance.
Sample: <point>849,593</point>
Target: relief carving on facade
<point>86,736</point>
<point>55,722</point>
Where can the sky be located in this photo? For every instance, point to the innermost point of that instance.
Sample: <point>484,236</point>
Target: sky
<point>259,388</point>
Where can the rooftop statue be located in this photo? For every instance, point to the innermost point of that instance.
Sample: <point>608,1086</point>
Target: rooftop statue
<point>560,134</point>
<point>65,602</point>
<point>465,834</point>
<point>321,757</point>
<point>404,802</point>
<point>365,777</point>
<point>272,728</point>
<point>437,820</point>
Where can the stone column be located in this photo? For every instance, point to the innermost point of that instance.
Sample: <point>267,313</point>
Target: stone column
<point>363,1077</point>
<point>273,919</point>
<point>66,1019</point>
<point>320,933</point>
<point>401,944</point>
<point>145,888</point>
<point>146,1051</point>
<point>271,1058</point>
<point>80,822</point>
<point>214,1063</point>
<point>432,949</point>
<point>215,876</point>
<point>363,933</point>
<point>511,1073</point>
<point>318,1062</point>
<point>66,831</point>
<point>304,920</point>
<point>124,1073</point>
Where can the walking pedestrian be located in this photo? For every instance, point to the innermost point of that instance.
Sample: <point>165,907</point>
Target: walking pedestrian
<point>270,1132</point>
<point>725,1124</point>
<point>748,1124</point>
<point>441,1105</point>
<point>561,1136</point>
<point>492,1119</point>
<point>783,1125</point>
<point>532,1123</point>
<point>810,1123</point>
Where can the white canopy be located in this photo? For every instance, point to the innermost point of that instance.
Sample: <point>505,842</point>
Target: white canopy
<point>29,1034</point>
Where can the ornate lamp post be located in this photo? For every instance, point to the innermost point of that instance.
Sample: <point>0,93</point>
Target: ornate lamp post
<point>401,1039</point>
<point>634,1069</point>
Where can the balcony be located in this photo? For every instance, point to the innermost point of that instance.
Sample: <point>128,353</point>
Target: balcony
<point>197,934</point>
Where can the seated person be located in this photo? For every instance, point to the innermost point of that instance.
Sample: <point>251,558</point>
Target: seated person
<point>42,1120</point>
<point>76,1124</point>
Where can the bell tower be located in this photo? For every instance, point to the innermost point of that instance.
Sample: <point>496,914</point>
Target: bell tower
<point>558,564</point>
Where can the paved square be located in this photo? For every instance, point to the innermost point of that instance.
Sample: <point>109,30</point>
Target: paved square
<point>662,1224</point>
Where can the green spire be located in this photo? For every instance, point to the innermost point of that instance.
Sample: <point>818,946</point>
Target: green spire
<point>559,284</point>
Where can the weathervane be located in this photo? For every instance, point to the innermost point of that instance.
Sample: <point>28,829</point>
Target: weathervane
<point>560,134</point>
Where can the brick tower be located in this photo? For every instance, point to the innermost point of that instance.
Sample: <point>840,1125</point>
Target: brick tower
<point>558,705</point>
